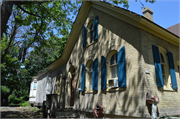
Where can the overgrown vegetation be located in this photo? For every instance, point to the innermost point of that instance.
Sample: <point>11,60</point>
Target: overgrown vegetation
<point>25,104</point>
<point>4,89</point>
<point>18,97</point>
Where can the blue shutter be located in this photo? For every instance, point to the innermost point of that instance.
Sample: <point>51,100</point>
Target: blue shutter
<point>172,71</point>
<point>157,64</point>
<point>95,28</point>
<point>83,73</point>
<point>84,36</point>
<point>103,73</point>
<point>121,67</point>
<point>95,74</point>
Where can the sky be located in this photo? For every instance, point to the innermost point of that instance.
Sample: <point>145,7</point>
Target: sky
<point>166,13</point>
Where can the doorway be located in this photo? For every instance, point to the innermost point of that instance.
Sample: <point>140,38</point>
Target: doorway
<point>72,90</point>
<point>72,85</point>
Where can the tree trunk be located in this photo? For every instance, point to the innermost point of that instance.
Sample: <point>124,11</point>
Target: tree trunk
<point>6,10</point>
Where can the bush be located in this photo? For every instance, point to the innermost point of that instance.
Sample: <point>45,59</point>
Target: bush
<point>25,104</point>
<point>18,97</point>
<point>4,89</point>
<point>12,98</point>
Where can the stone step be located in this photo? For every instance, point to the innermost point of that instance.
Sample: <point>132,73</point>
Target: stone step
<point>66,115</point>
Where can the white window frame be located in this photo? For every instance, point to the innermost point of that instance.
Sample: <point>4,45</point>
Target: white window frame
<point>108,70</point>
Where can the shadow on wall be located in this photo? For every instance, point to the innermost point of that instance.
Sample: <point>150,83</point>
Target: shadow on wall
<point>118,102</point>
<point>131,100</point>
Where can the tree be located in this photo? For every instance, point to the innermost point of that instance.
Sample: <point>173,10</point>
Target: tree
<point>39,20</point>
<point>9,68</point>
<point>38,60</point>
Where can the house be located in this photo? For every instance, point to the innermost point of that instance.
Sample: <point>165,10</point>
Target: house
<point>115,57</point>
<point>43,84</point>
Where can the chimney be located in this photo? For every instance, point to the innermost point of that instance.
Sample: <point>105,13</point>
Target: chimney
<point>147,12</point>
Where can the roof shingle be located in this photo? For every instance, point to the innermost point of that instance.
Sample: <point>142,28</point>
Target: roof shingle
<point>175,29</point>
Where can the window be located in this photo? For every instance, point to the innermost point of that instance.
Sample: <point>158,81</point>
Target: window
<point>35,84</point>
<point>90,32</point>
<point>112,72</point>
<point>165,67</point>
<point>89,73</point>
<point>90,76</point>
<point>113,66</point>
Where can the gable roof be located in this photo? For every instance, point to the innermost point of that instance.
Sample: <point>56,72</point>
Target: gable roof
<point>118,12</point>
<point>175,29</point>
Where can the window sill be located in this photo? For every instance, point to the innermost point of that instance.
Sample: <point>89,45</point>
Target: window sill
<point>32,97</point>
<point>91,44</point>
<point>114,89</point>
<point>89,91</point>
<point>167,89</point>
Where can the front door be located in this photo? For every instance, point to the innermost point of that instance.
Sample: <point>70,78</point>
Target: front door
<point>72,90</point>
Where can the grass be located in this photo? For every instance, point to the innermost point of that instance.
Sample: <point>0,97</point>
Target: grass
<point>27,104</point>
<point>33,109</point>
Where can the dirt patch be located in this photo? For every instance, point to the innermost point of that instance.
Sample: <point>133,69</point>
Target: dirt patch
<point>17,112</point>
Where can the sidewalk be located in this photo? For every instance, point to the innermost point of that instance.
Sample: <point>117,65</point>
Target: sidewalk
<point>17,112</point>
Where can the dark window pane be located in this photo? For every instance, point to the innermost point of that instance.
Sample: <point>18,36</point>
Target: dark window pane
<point>91,37</point>
<point>91,27</point>
<point>162,58</point>
<point>116,58</point>
<point>112,60</point>
<point>90,67</point>
<point>162,66</point>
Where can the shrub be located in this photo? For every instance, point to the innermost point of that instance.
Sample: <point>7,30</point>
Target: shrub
<point>18,97</point>
<point>25,104</point>
<point>4,89</point>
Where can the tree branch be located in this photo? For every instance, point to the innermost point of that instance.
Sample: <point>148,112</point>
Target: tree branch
<point>11,39</point>
<point>36,33</point>
<point>27,11</point>
<point>10,46</point>
<point>30,2</point>
<point>141,3</point>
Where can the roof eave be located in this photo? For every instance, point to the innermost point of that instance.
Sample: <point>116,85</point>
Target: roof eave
<point>139,21</point>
